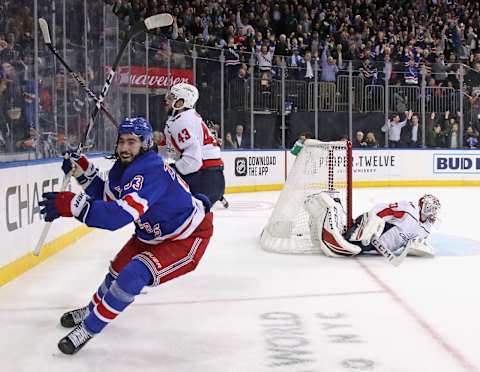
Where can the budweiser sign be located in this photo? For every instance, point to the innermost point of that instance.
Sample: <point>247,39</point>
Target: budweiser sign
<point>155,77</point>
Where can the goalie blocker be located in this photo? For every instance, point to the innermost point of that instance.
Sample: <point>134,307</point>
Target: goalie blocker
<point>387,228</point>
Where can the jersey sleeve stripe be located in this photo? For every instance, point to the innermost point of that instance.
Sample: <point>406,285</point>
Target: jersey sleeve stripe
<point>137,203</point>
<point>127,208</point>
<point>390,212</point>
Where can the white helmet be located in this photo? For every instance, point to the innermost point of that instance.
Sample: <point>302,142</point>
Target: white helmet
<point>429,207</point>
<point>187,92</point>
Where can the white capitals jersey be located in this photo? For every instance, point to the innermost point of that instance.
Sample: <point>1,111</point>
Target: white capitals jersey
<point>195,146</point>
<point>405,216</point>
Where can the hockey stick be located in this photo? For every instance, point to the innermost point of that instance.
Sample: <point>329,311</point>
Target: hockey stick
<point>46,38</point>
<point>388,254</point>
<point>150,23</point>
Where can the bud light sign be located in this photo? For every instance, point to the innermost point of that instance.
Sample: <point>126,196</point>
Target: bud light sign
<point>456,163</point>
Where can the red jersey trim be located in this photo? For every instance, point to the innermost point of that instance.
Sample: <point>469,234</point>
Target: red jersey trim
<point>132,203</point>
<point>210,163</point>
<point>390,212</point>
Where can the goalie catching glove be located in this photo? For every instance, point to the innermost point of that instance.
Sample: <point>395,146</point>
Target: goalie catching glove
<point>366,227</point>
<point>80,167</point>
<point>64,204</point>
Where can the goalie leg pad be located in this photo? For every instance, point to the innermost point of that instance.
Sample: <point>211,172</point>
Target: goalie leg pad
<point>327,222</point>
<point>316,204</point>
<point>332,242</point>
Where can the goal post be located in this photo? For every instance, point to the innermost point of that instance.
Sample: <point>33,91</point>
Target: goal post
<point>320,166</point>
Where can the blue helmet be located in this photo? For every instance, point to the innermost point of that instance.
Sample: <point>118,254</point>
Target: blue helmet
<point>140,127</point>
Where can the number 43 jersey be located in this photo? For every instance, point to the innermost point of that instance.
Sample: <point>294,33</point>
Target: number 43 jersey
<point>195,146</point>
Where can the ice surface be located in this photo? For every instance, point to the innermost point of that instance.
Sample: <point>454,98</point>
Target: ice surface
<point>244,309</point>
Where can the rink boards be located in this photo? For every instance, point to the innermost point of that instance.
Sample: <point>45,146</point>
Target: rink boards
<point>22,185</point>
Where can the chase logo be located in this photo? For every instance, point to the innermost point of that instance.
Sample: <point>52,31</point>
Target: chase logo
<point>456,163</point>
<point>240,167</point>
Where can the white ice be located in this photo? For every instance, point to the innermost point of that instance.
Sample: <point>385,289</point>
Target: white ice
<point>244,309</point>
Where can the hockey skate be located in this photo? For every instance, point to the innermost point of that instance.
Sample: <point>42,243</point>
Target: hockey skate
<point>74,317</point>
<point>75,340</point>
<point>224,202</point>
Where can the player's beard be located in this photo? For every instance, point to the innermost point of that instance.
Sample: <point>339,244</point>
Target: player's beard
<point>126,158</point>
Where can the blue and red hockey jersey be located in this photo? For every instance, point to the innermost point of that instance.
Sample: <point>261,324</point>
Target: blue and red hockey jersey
<point>148,192</point>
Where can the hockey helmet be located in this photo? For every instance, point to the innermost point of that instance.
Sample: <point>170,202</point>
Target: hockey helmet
<point>140,127</point>
<point>429,207</point>
<point>187,92</point>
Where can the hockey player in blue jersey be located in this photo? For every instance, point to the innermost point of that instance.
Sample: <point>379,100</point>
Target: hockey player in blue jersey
<point>172,227</point>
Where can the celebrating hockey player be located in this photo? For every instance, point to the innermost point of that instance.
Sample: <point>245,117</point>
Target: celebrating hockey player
<point>199,160</point>
<point>387,228</point>
<point>172,227</point>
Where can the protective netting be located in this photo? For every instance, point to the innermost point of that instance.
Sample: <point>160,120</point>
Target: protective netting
<point>320,166</point>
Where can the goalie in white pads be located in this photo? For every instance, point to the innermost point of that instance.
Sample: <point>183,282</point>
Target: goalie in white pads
<point>387,228</point>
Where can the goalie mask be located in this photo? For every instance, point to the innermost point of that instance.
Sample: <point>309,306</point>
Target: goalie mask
<point>429,208</point>
<point>183,91</point>
<point>139,127</point>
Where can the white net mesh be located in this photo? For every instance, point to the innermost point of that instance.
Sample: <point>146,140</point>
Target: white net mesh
<point>320,166</point>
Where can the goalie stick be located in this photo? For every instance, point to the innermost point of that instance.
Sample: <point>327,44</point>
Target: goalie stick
<point>388,254</point>
<point>150,23</point>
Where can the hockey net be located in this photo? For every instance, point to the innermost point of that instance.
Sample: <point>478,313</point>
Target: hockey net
<point>320,166</point>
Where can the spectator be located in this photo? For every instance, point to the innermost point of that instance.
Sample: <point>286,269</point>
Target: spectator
<point>359,140</point>
<point>309,69</point>
<point>232,58</point>
<point>411,72</point>
<point>437,137</point>
<point>229,143</point>
<point>453,137</point>
<point>329,67</point>
<point>369,72</point>
<point>471,137</point>
<point>264,60</point>
<point>393,128</point>
<point>370,140</point>
<point>414,134</point>
<point>295,62</point>
<point>241,141</point>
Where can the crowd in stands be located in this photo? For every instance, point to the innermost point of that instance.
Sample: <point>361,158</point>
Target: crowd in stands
<point>385,40</point>
<point>402,36</point>
<point>398,41</point>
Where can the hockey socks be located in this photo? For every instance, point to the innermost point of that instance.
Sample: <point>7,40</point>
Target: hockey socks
<point>101,291</point>
<point>121,293</point>
<point>111,298</point>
